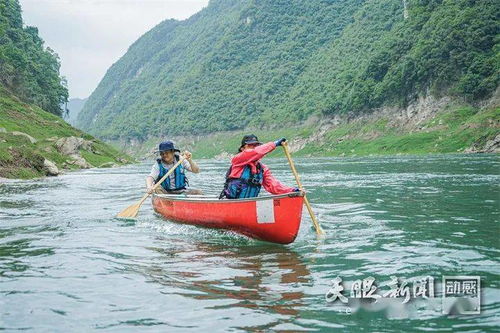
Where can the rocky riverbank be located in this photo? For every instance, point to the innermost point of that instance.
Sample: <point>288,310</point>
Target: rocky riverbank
<point>429,125</point>
<point>35,143</point>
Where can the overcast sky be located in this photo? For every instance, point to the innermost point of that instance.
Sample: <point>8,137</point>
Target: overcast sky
<point>91,35</point>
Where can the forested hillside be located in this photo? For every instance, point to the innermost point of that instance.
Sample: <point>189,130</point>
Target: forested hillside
<point>27,68</point>
<point>34,139</point>
<point>254,63</point>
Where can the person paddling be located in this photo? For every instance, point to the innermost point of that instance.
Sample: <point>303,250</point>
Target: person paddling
<point>177,182</point>
<point>247,174</point>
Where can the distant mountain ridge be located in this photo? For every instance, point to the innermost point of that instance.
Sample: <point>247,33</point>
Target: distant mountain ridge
<point>74,106</point>
<point>245,63</point>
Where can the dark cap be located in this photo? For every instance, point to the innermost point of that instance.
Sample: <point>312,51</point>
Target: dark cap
<point>166,146</point>
<point>249,139</point>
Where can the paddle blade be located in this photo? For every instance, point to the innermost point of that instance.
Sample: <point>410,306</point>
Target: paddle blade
<point>130,212</point>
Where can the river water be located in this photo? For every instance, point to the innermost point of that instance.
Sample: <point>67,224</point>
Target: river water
<point>66,264</point>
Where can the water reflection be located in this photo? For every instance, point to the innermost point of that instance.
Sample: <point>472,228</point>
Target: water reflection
<point>269,278</point>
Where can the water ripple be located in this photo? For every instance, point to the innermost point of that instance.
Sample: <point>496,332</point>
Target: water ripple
<point>67,264</point>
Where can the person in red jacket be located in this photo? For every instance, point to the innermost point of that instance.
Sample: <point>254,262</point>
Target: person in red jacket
<point>247,175</point>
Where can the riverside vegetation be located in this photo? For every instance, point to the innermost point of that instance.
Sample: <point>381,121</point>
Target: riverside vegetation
<point>453,128</point>
<point>34,139</point>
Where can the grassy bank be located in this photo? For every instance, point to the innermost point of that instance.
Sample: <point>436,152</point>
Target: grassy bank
<point>23,157</point>
<point>455,129</point>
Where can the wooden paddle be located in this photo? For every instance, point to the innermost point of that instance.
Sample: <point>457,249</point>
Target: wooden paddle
<point>319,231</point>
<point>131,211</point>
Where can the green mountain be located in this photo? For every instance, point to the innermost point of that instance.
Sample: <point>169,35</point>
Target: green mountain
<point>34,139</point>
<point>241,63</point>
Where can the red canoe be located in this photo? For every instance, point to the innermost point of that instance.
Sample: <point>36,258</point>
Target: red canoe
<point>274,218</point>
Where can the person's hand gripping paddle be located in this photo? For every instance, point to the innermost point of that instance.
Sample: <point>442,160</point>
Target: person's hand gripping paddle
<point>132,210</point>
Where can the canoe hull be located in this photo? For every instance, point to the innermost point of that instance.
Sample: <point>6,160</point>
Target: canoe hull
<point>272,218</point>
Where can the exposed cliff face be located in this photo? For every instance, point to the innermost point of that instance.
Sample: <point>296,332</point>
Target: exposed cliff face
<point>410,119</point>
<point>426,115</point>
